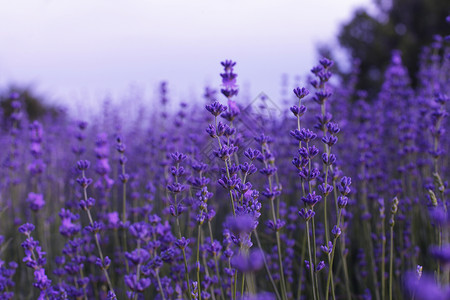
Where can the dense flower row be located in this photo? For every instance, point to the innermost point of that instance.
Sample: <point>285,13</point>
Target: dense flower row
<point>339,196</point>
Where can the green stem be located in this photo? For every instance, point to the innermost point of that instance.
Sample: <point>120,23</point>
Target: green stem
<point>300,271</point>
<point>216,263</point>
<point>311,268</point>
<point>198,266</point>
<point>391,263</point>
<point>269,274</point>
<point>186,269</point>
<point>330,262</point>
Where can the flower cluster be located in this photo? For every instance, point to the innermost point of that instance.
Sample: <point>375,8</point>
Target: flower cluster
<point>157,208</point>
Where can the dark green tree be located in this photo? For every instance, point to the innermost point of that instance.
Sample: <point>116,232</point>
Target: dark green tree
<point>405,25</point>
<point>35,104</point>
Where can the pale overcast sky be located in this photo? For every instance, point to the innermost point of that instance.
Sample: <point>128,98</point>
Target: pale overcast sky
<point>69,48</point>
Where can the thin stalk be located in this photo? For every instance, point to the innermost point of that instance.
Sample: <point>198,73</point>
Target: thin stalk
<point>232,293</point>
<point>311,262</point>
<point>91,222</point>
<point>269,274</point>
<point>216,262</point>
<point>300,271</point>
<point>344,264</point>
<point>391,263</point>
<point>394,209</point>
<point>124,216</point>
<point>159,284</point>
<point>198,265</point>
<point>277,234</point>
<point>226,167</point>
<point>383,261</point>
<point>330,262</point>
<point>186,270</point>
<point>315,256</point>
<point>138,268</point>
<point>242,285</point>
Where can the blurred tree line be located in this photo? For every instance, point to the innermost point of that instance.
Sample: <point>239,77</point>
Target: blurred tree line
<point>34,105</point>
<point>405,25</point>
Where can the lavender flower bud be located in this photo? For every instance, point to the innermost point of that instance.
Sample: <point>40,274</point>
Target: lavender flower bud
<point>320,266</point>
<point>301,92</point>
<point>216,108</point>
<point>336,231</point>
<point>306,214</point>
<point>83,165</point>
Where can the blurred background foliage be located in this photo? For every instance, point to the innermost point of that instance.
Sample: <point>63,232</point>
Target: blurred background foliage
<point>370,38</point>
<point>36,104</point>
<point>367,38</point>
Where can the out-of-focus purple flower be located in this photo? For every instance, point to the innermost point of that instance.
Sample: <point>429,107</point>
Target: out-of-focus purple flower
<point>111,295</point>
<point>103,264</point>
<point>250,262</point>
<point>26,228</point>
<point>344,186</point>
<point>342,201</point>
<point>275,226</point>
<point>94,227</point>
<point>327,249</point>
<point>442,254</point>
<point>311,199</point>
<point>136,285</point>
<point>306,214</point>
<point>229,79</point>
<point>241,224</point>
<point>426,288</point>
<point>336,231</point>
<point>178,157</point>
<point>140,230</point>
<point>182,243</point>
<point>87,204</point>
<point>138,256</point>
<point>68,228</point>
<point>320,266</point>
<point>36,201</point>
<point>113,220</point>
<point>259,296</point>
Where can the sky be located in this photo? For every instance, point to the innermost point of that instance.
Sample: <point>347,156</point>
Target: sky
<point>84,50</point>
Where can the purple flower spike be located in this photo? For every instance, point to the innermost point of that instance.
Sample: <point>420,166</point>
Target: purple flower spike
<point>301,92</point>
<point>241,224</point>
<point>36,201</point>
<point>298,111</point>
<point>182,243</point>
<point>326,63</point>
<point>342,201</point>
<point>248,263</point>
<point>26,228</point>
<point>311,199</point>
<point>216,108</point>
<point>229,81</point>
<point>306,214</point>
<point>336,231</point>
<point>320,266</point>
<point>83,165</point>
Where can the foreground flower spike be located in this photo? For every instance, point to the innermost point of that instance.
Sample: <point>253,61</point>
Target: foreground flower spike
<point>35,259</point>
<point>229,89</point>
<point>248,210</point>
<point>94,226</point>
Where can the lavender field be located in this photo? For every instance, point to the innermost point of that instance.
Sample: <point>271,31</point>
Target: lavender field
<point>337,195</point>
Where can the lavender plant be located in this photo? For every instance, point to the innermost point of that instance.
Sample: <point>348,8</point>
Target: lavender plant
<point>268,213</point>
